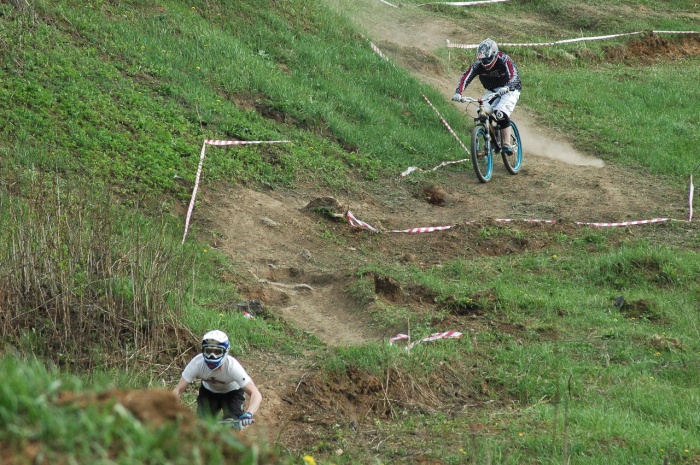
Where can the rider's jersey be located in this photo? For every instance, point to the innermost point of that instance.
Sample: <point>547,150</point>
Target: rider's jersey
<point>503,74</point>
<point>229,376</point>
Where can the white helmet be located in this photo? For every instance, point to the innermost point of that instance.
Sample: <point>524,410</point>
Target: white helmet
<point>215,348</point>
<point>487,52</point>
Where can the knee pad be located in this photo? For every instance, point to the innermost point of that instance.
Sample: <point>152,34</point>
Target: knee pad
<point>502,119</point>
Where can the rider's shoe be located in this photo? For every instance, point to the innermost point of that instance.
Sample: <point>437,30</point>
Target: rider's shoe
<point>507,149</point>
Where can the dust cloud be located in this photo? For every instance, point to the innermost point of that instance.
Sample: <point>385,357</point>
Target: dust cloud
<point>538,144</point>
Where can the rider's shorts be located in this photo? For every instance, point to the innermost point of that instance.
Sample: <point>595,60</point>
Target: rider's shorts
<point>507,102</point>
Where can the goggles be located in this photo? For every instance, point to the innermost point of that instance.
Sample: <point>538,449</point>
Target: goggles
<point>213,352</point>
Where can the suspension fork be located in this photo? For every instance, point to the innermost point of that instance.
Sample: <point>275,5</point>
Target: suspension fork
<point>495,132</point>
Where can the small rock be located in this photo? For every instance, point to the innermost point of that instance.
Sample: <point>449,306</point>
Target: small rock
<point>305,254</point>
<point>268,222</point>
<point>327,207</point>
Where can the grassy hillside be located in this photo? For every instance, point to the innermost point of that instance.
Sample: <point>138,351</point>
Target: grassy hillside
<point>127,92</point>
<point>106,105</point>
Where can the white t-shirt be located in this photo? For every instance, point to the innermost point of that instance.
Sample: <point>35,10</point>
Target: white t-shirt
<point>229,376</point>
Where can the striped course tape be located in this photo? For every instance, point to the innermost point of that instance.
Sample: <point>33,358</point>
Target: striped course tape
<point>478,2</point>
<point>357,223</point>
<point>507,220</point>
<point>243,142</point>
<point>377,51</point>
<point>446,125</point>
<point>361,224</point>
<point>421,230</point>
<point>625,223</point>
<point>354,222</point>
<point>201,163</point>
<point>432,337</point>
<point>566,41</point>
<point>411,169</point>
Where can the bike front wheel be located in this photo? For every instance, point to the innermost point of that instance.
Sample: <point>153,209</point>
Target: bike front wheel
<point>514,162</point>
<point>482,158</point>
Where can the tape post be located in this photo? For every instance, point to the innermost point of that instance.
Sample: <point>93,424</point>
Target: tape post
<point>201,164</point>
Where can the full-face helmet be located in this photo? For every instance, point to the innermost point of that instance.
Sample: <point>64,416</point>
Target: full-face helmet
<point>487,52</point>
<point>215,348</point>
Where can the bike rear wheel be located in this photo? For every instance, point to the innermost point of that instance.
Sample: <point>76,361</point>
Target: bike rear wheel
<point>482,158</point>
<point>514,162</point>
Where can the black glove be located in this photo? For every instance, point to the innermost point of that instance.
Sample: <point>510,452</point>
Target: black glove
<point>246,419</point>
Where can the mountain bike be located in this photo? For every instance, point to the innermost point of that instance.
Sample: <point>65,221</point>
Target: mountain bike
<point>486,139</point>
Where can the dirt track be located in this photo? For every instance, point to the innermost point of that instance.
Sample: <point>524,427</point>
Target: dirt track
<point>556,182</point>
<point>302,274</point>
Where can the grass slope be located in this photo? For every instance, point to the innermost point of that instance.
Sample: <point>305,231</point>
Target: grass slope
<point>107,104</point>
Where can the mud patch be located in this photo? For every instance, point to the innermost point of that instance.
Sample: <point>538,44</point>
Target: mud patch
<point>434,195</point>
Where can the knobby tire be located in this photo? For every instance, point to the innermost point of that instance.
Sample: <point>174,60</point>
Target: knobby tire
<point>515,161</point>
<point>482,160</point>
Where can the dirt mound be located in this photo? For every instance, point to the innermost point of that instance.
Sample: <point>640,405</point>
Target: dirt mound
<point>354,400</point>
<point>653,48</point>
<point>154,407</point>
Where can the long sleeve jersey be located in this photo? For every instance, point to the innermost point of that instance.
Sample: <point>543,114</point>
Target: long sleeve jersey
<point>503,74</point>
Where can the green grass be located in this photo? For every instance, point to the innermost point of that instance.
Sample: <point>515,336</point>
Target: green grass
<point>159,85</point>
<point>554,322</point>
<point>32,412</point>
<point>633,121</point>
<point>108,104</point>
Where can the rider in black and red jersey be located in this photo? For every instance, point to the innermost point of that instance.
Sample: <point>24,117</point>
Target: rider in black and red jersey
<point>497,73</point>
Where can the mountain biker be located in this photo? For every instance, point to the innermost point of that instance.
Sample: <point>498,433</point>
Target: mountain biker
<point>224,382</point>
<point>497,73</point>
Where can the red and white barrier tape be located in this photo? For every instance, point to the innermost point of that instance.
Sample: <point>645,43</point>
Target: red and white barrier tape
<point>377,51</point>
<point>387,3</point>
<point>527,220</point>
<point>398,337</point>
<point>353,221</point>
<point>446,125</point>
<point>478,2</point>
<point>361,224</point>
<point>432,337</point>
<point>411,169</point>
<point>243,142</point>
<point>625,223</point>
<point>421,229</point>
<point>566,41</point>
<point>357,223</point>
<point>201,162</point>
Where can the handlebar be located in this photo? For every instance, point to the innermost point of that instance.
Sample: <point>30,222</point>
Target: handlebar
<point>484,98</point>
<point>235,424</point>
<point>470,100</point>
